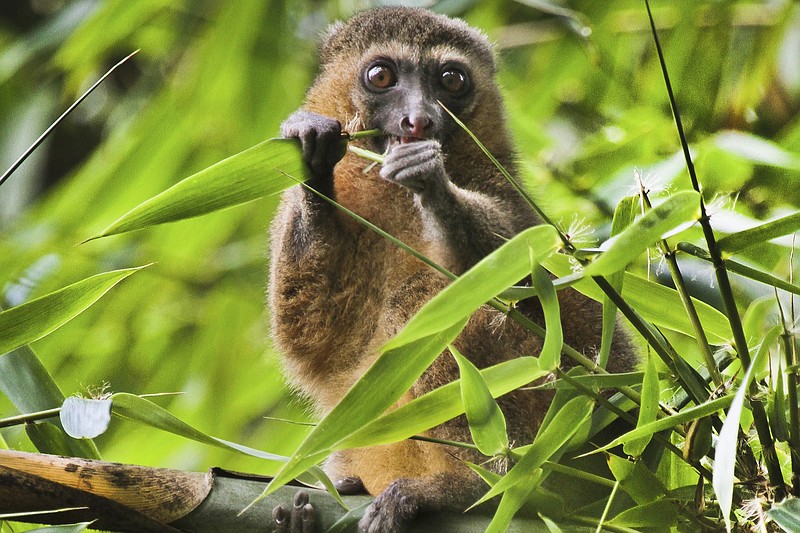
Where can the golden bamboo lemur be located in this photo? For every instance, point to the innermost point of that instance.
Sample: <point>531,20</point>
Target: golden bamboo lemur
<point>339,291</point>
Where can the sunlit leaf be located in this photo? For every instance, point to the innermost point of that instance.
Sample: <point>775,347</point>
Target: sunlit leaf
<point>265,169</point>
<point>550,356</point>
<point>760,234</point>
<point>725,452</point>
<point>657,303</point>
<point>494,273</point>
<point>137,409</point>
<point>379,388</point>
<point>442,404</point>
<point>628,245</point>
<point>33,320</point>
<point>486,422</point>
<point>648,409</point>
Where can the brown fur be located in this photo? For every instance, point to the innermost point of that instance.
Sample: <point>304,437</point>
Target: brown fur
<point>339,291</point>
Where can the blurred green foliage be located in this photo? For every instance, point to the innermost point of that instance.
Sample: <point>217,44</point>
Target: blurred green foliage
<point>586,102</point>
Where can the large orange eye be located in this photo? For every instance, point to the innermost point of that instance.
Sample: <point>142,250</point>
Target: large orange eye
<point>381,76</point>
<point>453,80</point>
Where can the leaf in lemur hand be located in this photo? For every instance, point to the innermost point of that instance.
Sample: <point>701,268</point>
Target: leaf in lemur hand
<point>262,170</point>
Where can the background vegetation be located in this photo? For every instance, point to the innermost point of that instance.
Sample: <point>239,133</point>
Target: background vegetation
<point>586,101</point>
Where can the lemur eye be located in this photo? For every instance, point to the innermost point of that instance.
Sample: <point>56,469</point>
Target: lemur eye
<point>381,76</point>
<point>453,80</point>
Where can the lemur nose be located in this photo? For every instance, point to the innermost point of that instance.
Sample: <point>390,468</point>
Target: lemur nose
<point>416,125</point>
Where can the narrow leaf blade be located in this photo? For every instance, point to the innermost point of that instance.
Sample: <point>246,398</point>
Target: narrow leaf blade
<point>628,245</point>
<point>486,422</point>
<point>493,274</point>
<point>262,170</point>
<point>33,320</point>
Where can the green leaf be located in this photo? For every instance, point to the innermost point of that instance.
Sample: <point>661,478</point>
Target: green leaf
<point>550,356</point>
<point>660,514</point>
<point>656,303</point>
<point>486,421</point>
<point>262,170</point>
<point>442,404</point>
<point>71,528</point>
<point>635,479</point>
<point>31,388</point>
<point>648,410</point>
<point>786,514</point>
<point>628,245</point>
<point>493,274</point>
<point>50,438</point>
<point>137,409</point>
<point>725,452</point>
<point>33,320</point>
<point>756,149</point>
<point>624,215</point>
<point>760,234</point>
<point>514,497</point>
<point>85,418</point>
<point>687,415</point>
<point>741,269</point>
<point>548,441</point>
<point>776,405</point>
<point>379,388</point>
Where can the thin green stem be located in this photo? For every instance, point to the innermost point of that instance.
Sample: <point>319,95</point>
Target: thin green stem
<point>61,118</point>
<point>29,417</point>
<point>578,474</point>
<point>728,301</point>
<point>607,508</point>
<point>683,293</point>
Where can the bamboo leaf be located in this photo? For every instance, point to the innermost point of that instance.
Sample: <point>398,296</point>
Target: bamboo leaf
<point>760,234</point>
<point>33,320</point>
<point>687,415</point>
<point>648,409</point>
<point>725,452</point>
<point>656,303</point>
<point>442,404</point>
<point>786,514</point>
<point>514,497</point>
<point>660,515</point>
<point>379,388</point>
<point>486,422</point>
<point>628,245</point>
<point>494,273</point>
<point>756,149</point>
<point>550,356</point>
<point>137,409</point>
<point>550,439</point>
<point>262,170</point>
<point>624,215</point>
<point>634,477</point>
